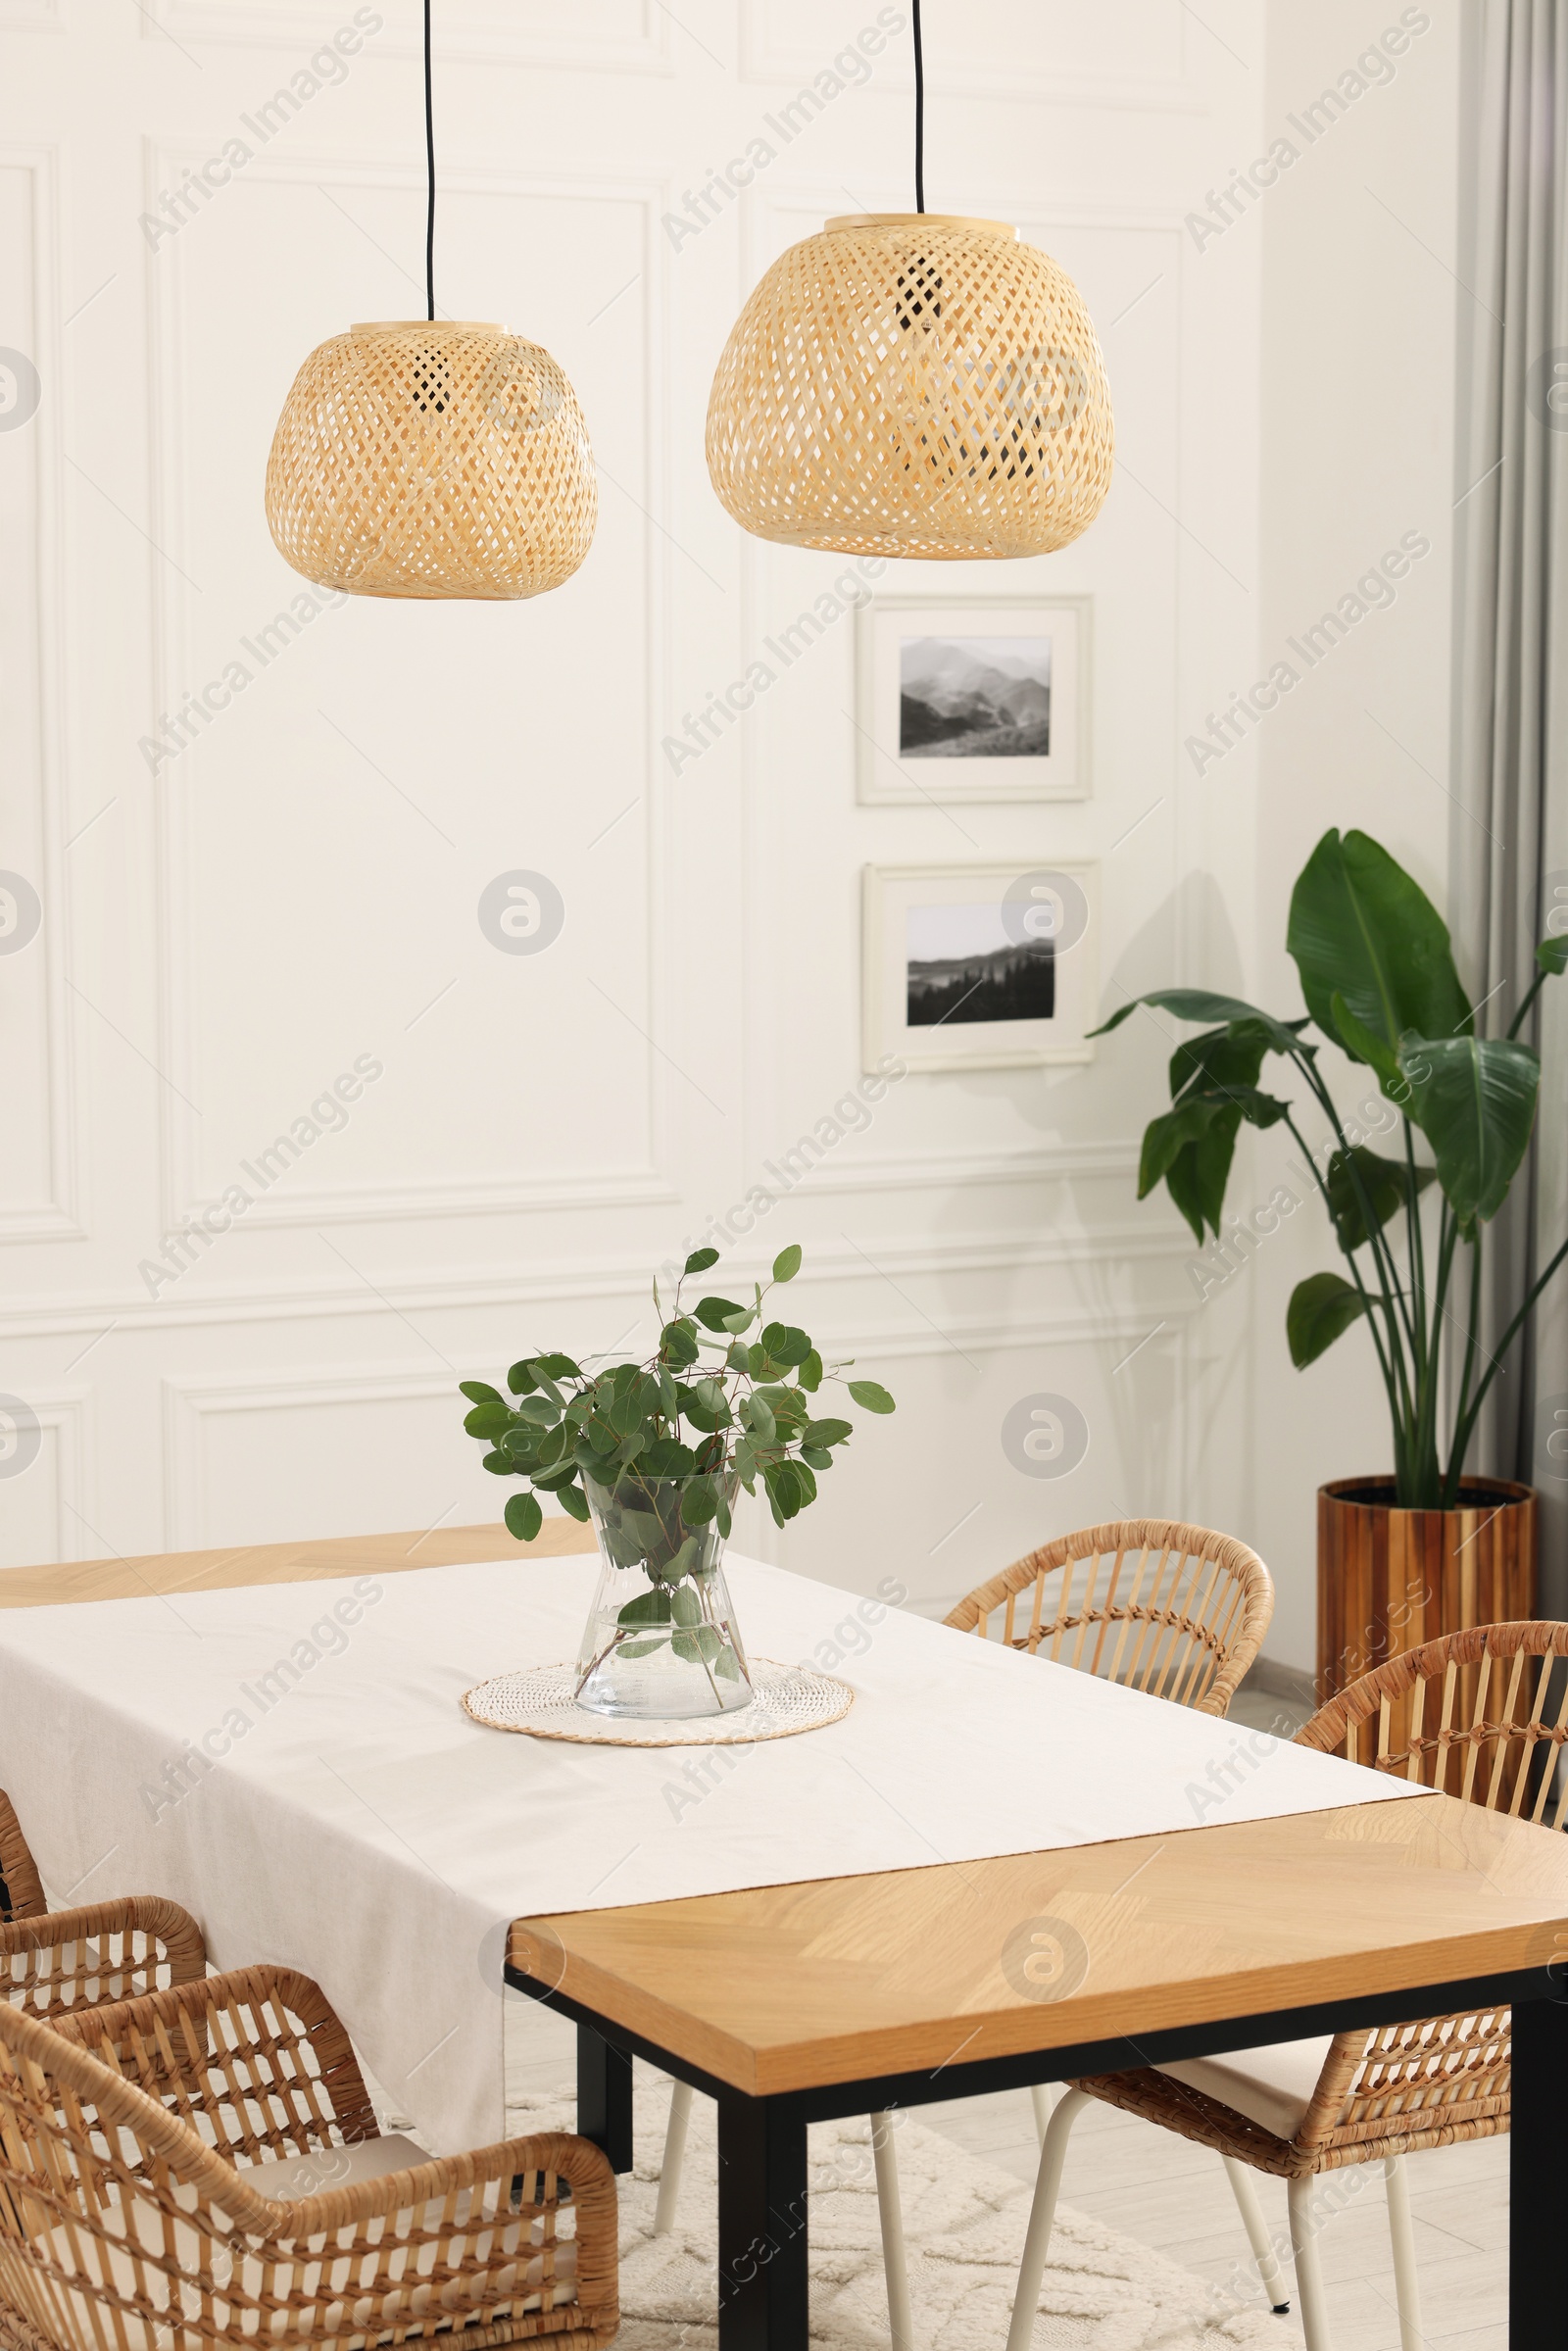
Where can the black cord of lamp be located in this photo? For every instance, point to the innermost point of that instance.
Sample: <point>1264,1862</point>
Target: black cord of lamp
<point>919,114</point>
<point>429,157</point>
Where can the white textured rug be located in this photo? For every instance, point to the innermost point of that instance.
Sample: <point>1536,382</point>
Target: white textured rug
<point>964,2224</point>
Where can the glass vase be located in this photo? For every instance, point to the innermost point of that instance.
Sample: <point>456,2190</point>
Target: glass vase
<point>661,1644</point>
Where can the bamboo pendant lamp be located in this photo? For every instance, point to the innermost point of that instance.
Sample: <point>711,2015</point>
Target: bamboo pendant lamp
<point>913,384</point>
<point>431,458</point>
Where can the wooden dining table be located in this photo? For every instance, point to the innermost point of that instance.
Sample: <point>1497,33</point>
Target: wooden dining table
<point>844,1997</point>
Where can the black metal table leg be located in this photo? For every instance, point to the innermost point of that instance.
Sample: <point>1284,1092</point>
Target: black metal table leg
<point>764,2291</point>
<point>1537,2166</point>
<point>604,2096</point>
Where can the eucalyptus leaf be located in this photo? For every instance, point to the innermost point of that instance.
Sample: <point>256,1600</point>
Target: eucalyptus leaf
<point>787,1264</point>
<point>477,1392</point>
<point>523,1517</point>
<point>701,1259</point>
<point>870,1396</point>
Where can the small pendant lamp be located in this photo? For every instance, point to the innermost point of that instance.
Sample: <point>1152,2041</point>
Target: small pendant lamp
<point>431,458</point>
<point>913,384</point>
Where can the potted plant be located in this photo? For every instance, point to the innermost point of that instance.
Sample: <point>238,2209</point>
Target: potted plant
<point>653,1453</point>
<point>1428,1549</point>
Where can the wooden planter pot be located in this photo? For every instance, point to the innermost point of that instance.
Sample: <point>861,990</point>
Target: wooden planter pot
<point>1387,1580</point>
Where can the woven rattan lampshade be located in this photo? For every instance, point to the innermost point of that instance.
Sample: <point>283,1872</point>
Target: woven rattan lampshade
<point>912,384</point>
<point>431,458</point>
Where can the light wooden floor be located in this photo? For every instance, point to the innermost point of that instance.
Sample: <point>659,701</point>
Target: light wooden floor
<point>1175,2196</point>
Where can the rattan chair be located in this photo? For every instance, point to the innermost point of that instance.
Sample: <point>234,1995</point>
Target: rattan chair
<point>1153,1603</point>
<point>202,2168</point>
<point>1479,1715</point>
<point>52,1962</point>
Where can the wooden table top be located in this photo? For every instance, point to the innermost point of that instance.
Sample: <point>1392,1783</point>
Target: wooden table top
<point>797,1986</point>
<point>120,1579</point>
<point>794,1986</point>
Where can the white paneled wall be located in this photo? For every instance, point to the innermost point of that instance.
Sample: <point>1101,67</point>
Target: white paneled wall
<point>290,900</point>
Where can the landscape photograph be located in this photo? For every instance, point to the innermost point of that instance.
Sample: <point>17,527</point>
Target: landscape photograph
<point>974,698</point>
<point>961,965</point>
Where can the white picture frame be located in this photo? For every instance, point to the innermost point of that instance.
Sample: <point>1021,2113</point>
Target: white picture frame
<point>910,753</point>
<point>964,935</point>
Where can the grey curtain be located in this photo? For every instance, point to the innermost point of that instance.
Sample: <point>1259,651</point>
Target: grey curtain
<point>1510,837</point>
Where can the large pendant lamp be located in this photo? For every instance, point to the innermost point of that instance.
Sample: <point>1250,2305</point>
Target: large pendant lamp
<point>431,458</point>
<point>913,384</point>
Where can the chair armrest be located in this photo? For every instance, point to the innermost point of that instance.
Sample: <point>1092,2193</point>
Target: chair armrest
<point>454,2233</point>
<point>255,2062</point>
<point>100,1954</point>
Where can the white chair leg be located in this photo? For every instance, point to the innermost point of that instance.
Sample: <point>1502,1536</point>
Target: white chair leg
<point>680,2115</point>
<point>1308,2269</point>
<point>889,2204</point>
<point>1245,2188</point>
<point>1401,2230</point>
<point>1042,2212</point>
<point>1043,2097</point>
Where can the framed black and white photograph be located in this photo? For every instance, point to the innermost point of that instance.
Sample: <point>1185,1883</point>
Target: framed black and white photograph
<point>981,701</point>
<point>979,967</point>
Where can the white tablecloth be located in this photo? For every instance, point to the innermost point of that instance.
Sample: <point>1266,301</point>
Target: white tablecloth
<point>292,1763</point>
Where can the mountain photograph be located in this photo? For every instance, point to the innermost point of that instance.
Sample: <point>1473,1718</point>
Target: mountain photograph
<point>961,965</point>
<point>974,698</point>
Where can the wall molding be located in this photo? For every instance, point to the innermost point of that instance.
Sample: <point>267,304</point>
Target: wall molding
<point>565,1281</point>
<point>762,59</point>
<point>64,1414</point>
<point>475,33</point>
<point>58,1216</point>
<point>645,1184</point>
<point>188,1403</point>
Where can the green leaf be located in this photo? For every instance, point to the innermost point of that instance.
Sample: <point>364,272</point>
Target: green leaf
<point>699,1502</point>
<point>760,1415</point>
<point>524,1518</point>
<point>687,1606</point>
<point>721,1518</point>
<point>539,1410</point>
<point>556,1367</point>
<point>1552,956</point>
<point>647,1608</point>
<point>1384,1181</point>
<point>699,1646</point>
<point>1171,1133</point>
<point>1361,928</point>
<point>477,1392</point>
<point>487,1420</point>
<point>1321,1307</point>
<point>1474,1099</point>
<point>784,1344</point>
<point>870,1396</point>
<point>501,1464</point>
<point>640,1649</point>
<point>573,1501</point>
<point>1199,1003</point>
<point>787,1264</point>
<point>810,1374</point>
<point>1220,1057</point>
<point>699,1260</point>
<point>1197,1177</point>
<point>667,1457</point>
<point>823,1432</point>
<point>520,1378</point>
<point>1362,1044</point>
<point>713,1313</point>
<point>678,1343</point>
<point>726,1667</point>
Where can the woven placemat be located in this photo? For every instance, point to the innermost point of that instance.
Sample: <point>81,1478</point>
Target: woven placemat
<point>538,1702</point>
